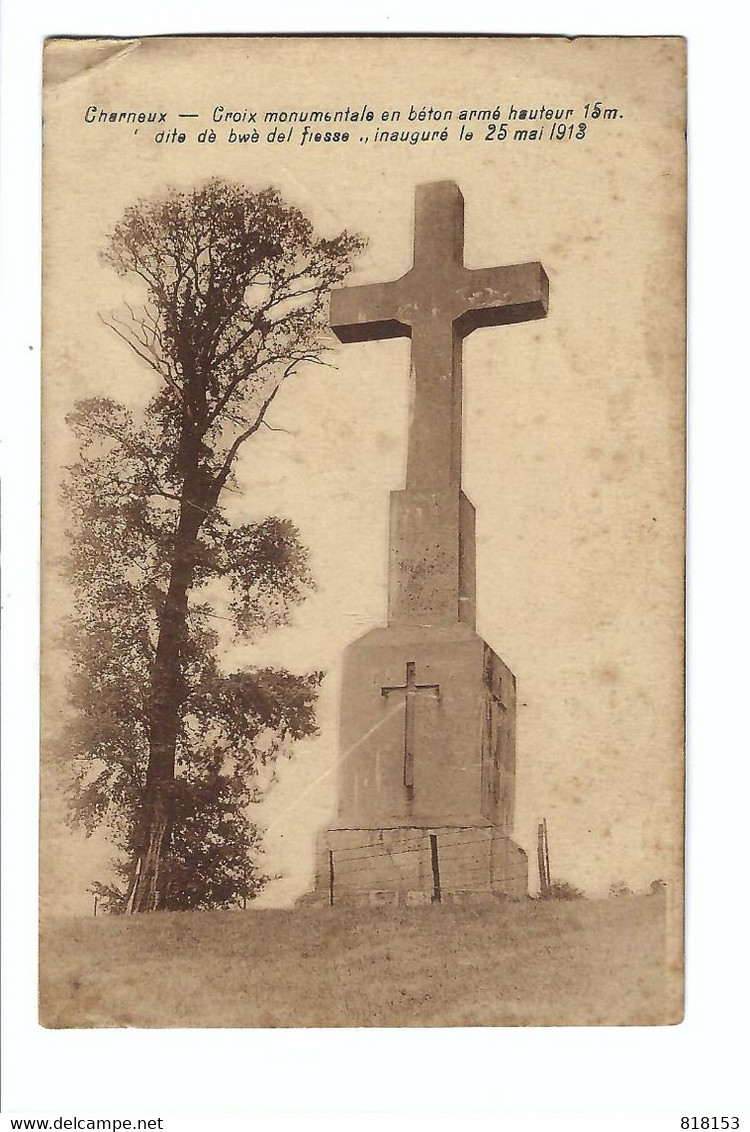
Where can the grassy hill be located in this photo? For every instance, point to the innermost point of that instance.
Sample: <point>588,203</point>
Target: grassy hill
<point>528,963</point>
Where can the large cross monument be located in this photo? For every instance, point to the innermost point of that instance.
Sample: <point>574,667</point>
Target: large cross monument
<point>428,710</point>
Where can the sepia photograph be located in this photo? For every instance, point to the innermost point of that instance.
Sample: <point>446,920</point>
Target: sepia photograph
<point>363,508</point>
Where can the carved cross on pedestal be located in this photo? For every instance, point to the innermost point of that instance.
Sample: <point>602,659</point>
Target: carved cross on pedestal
<point>437,304</point>
<point>411,689</point>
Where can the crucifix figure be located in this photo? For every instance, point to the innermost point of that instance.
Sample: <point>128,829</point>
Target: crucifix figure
<point>437,303</point>
<point>411,689</point>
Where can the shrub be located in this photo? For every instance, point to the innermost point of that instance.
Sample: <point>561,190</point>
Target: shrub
<point>561,890</point>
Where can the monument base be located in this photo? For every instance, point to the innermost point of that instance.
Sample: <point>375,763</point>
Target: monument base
<point>415,865</point>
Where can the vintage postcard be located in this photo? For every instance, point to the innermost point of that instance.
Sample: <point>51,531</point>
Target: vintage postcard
<point>363,531</point>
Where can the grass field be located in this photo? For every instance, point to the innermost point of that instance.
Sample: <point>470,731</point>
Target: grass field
<point>528,963</point>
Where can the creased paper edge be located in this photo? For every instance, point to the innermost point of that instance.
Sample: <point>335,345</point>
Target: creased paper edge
<point>95,54</point>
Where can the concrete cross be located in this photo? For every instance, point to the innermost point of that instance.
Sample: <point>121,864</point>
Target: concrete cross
<point>411,689</point>
<point>437,303</point>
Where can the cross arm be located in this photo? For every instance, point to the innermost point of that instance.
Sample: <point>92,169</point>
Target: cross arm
<point>367,313</point>
<point>495,296</point>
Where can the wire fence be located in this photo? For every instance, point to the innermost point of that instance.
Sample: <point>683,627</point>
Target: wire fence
<point>424,846</point>
<point>441,854</point>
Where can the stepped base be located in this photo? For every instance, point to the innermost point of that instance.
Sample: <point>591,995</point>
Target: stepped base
<point>416,865</point>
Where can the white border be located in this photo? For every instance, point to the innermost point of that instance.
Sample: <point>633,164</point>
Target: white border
<point>692,1068</point>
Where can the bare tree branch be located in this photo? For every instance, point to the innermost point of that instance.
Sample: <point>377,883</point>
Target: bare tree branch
<point>221,477</point>
<point>276,428</point>
<point>142,353</point>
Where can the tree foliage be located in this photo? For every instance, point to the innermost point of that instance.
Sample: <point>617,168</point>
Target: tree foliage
<point>166,745</point>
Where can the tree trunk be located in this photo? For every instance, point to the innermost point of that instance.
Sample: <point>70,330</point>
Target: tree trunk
<point>149,878</point>
<point>149,889</point>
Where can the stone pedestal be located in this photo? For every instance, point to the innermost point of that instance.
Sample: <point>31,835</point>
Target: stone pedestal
<point>448,835</point>
<point>416,865</point>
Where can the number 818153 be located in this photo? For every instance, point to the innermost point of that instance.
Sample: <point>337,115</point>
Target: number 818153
<point>710,1122</point>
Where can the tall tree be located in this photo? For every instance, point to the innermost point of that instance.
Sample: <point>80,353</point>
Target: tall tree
<point>234,302</point>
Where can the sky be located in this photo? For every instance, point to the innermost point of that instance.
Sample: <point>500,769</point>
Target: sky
<point>573,426</point>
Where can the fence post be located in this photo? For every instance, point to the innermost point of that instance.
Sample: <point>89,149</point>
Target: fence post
<point>437,896</point>
<point>546,855</point>
<point>541,861</point>
<point>330,876</point>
